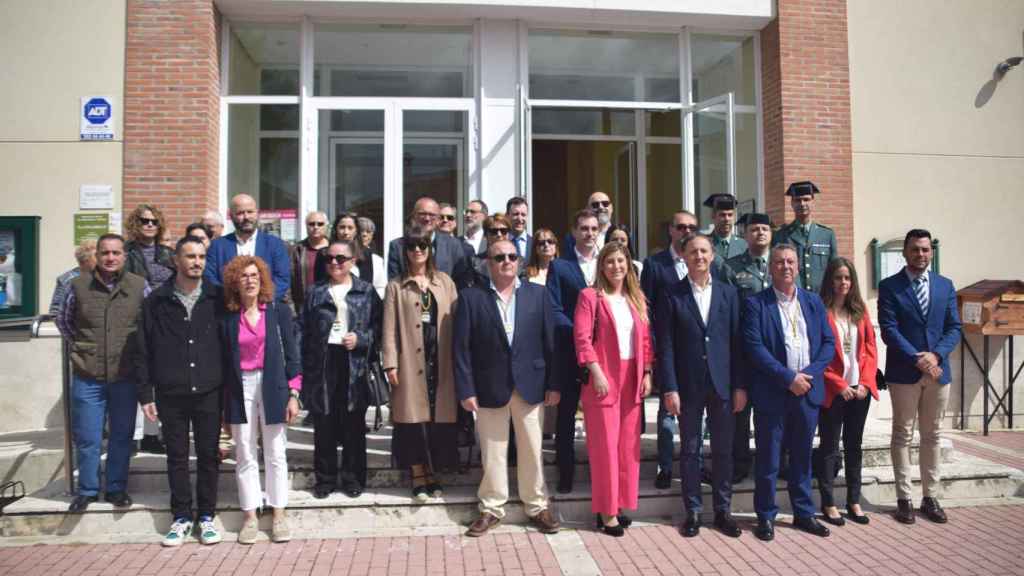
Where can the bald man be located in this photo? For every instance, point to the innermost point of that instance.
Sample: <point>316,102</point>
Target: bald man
<point>246,240</point>
<point>601,205</point>
<point>450,255</point>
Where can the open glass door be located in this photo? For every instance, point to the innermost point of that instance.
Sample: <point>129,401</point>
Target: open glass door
<point>714,165</point>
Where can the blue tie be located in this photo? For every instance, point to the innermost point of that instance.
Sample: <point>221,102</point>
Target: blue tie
<point>921,290</point>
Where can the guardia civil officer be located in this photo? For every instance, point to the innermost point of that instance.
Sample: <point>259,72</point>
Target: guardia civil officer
<point>724,239</point>
<point>815,243</point>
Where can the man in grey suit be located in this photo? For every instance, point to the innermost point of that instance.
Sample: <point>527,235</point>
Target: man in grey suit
<point>449,254</point>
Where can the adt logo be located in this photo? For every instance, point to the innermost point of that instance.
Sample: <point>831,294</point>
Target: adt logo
<point>97,111</point>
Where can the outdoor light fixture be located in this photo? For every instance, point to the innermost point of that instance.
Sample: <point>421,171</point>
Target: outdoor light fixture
<point>1004,66</point>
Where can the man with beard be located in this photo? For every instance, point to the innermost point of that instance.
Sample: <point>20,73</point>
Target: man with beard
<point>601,205</point>
<point>247,241</point>
<point>473,225</point>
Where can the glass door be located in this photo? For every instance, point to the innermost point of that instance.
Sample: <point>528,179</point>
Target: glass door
<point>713,135</point>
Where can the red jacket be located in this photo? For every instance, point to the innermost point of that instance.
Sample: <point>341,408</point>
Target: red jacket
<point>602,345</point>
<point>867,360</point>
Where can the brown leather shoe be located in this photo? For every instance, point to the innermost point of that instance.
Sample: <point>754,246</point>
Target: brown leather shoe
<point>545,522</point>
<point>482,524</point>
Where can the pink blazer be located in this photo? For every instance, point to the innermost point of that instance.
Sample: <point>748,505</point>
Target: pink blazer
<point>602,346</point>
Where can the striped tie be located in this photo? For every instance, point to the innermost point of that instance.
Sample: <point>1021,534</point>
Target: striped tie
<point>921,290</point>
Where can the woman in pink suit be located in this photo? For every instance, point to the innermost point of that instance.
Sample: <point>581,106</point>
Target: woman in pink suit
<point>613,341</point>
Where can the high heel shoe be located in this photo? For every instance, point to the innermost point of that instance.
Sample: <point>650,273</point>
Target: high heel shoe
<point>835,521</point>
<point>617,530</point>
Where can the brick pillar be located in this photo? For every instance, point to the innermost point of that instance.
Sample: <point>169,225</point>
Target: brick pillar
<point>172,109</point>
<point>805,83</point>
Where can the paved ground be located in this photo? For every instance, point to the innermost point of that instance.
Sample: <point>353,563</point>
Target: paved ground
<point>983,541</point>
<point>1003,447</point>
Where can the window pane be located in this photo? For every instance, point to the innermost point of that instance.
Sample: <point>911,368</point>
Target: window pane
<point>351,156</point>
<point>664,192</point>
<point>583,122</point>
<point>355,120</point>
<point>266,167</point>
<point>710,162</point>
<point>279,173</point>
<point>264,59</point>
<point>393,60</point>
<point>434,166</point>
<point>279,117</point>
<point>597,65</point>
<point>664,124</point>
<point>723,64</point>
<point>746,162</point>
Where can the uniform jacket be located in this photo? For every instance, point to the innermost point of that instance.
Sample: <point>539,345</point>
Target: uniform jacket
<point>867,360</point>
<point>402,348</point>
<point>486,365</point>
<point>906,331</point>
<point>270,248</point>
<point>689,351</point>
<point>597,341</point>
<point>281,363</point>
<point>814,250</point>
<point>317,318</point>
<point>746,276</point>
<point>724,251</point>
<point>766,349</point>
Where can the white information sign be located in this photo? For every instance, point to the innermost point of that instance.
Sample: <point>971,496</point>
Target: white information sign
<point>96,197</point>
<point>971,313</point>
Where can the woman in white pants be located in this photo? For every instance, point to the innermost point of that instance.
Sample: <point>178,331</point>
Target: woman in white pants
<point>261,393</point>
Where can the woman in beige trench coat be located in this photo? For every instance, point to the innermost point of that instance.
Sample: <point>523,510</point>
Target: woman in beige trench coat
<point>416,346</point>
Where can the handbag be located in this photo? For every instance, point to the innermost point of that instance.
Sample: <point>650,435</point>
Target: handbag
<point>880,380</point>
<point>379,393</point>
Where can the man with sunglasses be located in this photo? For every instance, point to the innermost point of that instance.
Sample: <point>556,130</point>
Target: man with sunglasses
<point>473,225</point>
<point>496,228</point>
<point>503,347</point>
<point>303,256</point>
<point>601,205</point>
<point>450,254</point>
<point>447,222</point>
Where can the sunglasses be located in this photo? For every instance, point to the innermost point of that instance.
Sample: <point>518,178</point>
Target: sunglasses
<point>600,204</point>
<point>149,221</point>
<point>546,242</point>
<point>427,215</point>
<point>508,256</point>
<point>448,217</point>
<point>339,259</point>
<point>497,231</point>
<point>418,246</point>
<point>686,227</point>
<point>316,224</point>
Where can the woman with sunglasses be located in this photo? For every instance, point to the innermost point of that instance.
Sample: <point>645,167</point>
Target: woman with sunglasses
<point>620,233</point>
<point>368,267</point>
<point>418,322</point>
<point>613,342</point>
<point>849,387</point>
<point>340,325</point>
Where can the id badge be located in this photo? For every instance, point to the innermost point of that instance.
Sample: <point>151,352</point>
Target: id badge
<point>336,334</point>
<point>425,317</point>
<point>509,329</point>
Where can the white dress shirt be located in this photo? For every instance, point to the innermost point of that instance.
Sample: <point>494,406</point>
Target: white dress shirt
<point>588,266</point>
<point>847,330</point>
<point>794,329</point>
<point>702,296</point>
<point>474,240</point>
<point>247,248</point>
<point>624,327</point>
<point>680,264</point>
<point>507,309</point>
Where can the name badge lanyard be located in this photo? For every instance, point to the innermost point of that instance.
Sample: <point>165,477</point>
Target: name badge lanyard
<point>506,319</point>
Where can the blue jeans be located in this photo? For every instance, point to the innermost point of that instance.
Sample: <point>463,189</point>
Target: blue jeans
<point>91,402</point>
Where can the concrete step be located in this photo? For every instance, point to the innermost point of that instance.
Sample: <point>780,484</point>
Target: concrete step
<point>384,509</point>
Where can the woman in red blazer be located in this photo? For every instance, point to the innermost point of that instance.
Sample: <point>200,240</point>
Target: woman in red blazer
<point>849,386</point>
<point>613,341</point>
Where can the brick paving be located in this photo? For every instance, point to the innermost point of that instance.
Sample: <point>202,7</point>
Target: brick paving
<point>1003,447</point>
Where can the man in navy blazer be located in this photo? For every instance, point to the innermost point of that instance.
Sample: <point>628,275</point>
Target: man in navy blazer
<point>567,277</point>
<point>503,347</point>
<point>247,240</point>
<point>789,343</point>
<point>518,213</point>
<point>917,314</point>
<point>699,350</point>
<point>450,254</point>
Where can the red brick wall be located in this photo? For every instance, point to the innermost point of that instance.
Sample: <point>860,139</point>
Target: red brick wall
<point>172,108</point>
<point>805,84</point>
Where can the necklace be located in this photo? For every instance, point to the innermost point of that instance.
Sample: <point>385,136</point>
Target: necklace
<point>846,329</point>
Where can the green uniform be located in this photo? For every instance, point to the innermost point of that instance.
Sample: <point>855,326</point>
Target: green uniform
<point>815,247</point>
<point>747,274</point>
<point>726,248</point>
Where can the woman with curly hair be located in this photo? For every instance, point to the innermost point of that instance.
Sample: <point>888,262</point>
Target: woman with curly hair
<point>261,390</point>
<point>144,254</point>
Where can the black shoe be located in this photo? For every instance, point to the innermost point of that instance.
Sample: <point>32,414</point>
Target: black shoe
<point>836,521</point>
<point>624,521</point>
<point>321,492</point>
<point>80,503</point>
<point>617,531</point>
<point>862,519</point>
<point>691,527</point>
<point>353,489</point>
<point>705,477</point>
<point>932,511</point>
<point>664,480</point>
<point>811,525</point>
<point>904,512</point>
<point>726,525</point>
<point>151,443</point>
<point>119,499</point>
<point>765,530</point>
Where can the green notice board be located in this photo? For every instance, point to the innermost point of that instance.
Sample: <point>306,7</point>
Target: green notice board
<point>19,267</point>
<point>90,226</point>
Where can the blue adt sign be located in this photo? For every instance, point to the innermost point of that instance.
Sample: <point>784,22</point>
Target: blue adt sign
<point>97,111</point>
<point>97,118</point>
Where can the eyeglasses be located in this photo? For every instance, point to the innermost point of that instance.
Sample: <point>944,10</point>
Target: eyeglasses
<point>686,227</point>
<point>497,231</point>
<point>316,224</point>
<point>426,215</point>
<point>448,217</point>
<point>339,259</point>
<point>472,212</point>
<point>509,256</point>
<point>600,204</point>
<point>149,221</point>
<point>546,242</point>
<point>418,246</point>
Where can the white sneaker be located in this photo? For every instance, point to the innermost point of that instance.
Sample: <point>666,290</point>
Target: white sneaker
<point>208,533</point>
<point>180,529</point>
<point>281,531</point>
<point>250,532</point>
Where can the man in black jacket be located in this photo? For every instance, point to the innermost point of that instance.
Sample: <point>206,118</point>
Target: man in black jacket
<point>179,370</point>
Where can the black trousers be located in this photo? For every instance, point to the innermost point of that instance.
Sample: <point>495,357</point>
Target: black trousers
<point>201,413</point>
<point>721,426</point>
<point>565,426</point>
<point>844,418</point>
<point>742,459</point>
<point>348,428</point>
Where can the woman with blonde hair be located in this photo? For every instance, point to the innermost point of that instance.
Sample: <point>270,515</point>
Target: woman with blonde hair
<point>613,341</point>
<point>145,255</point>
<point>261,394</point>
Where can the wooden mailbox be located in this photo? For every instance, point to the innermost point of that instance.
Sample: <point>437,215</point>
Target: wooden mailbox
<point>992,307</point>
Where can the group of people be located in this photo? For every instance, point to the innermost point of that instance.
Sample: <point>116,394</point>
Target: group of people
<point>506,330</point>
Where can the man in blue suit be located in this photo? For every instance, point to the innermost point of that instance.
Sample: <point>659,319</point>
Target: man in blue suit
<point>567,277</point>
<point>517,210</point>
<point>662,270</point>
<point>247,240</point>
<point>503,351</point>
<point>789,343</point>
<point>917,315</point>
<point>699,354</point>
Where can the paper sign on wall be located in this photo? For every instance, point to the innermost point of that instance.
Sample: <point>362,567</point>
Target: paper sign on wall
<point>96,197</point>
<point>972,313</point>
